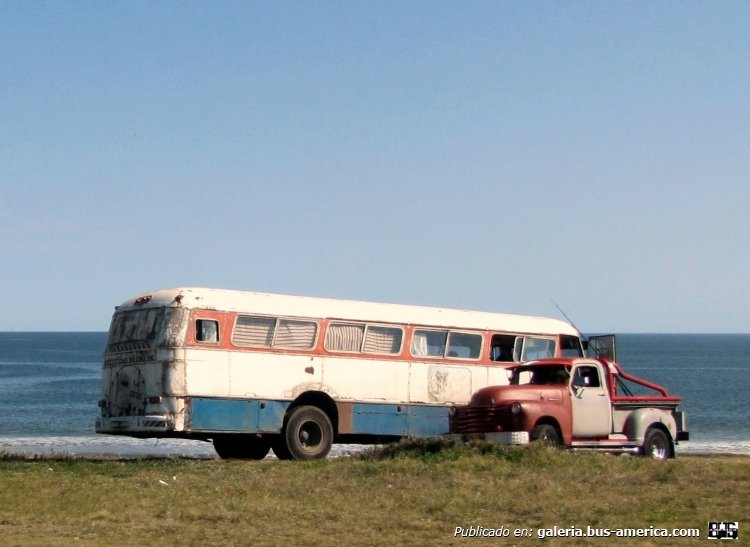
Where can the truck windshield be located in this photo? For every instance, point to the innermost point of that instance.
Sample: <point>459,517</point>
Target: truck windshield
<point>540,375</point>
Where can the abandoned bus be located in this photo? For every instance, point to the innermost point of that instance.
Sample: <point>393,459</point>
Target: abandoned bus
<point>253,372</point>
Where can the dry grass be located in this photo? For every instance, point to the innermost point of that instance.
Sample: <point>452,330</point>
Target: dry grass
<point>414,494</point>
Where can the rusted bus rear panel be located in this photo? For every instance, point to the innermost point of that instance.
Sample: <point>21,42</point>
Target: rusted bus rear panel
<point>143,372</point>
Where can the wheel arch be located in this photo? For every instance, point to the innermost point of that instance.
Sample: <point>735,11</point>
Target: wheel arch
<point>318,399</point>
<point>665,430</point>
<point>641,419</point>
<point>551,421</point>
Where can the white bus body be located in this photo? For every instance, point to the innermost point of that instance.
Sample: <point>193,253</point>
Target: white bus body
<point>254,371</point>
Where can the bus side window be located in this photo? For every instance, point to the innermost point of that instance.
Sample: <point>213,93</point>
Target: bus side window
<point>501,347</point>
<point>207,330</point>
<point>570,346</point>
<point>464,345</point>
<point>428,343</point>
<point>536,348</point>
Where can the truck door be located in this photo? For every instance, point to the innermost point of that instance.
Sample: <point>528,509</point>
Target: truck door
<point>602,347</point>
<point>592,411</point>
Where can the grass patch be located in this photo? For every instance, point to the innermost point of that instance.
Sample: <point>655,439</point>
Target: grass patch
<point>410,493</point>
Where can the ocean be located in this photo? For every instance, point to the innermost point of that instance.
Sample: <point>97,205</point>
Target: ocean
<point>50,385</point>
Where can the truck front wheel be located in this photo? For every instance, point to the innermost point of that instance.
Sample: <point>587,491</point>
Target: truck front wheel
<point>657,445</point>
<point>547,434</point>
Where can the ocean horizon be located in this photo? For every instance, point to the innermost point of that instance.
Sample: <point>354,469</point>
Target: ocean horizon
<point>50,386</point>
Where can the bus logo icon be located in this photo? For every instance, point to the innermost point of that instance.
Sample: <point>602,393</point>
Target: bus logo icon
<point>723,530</point>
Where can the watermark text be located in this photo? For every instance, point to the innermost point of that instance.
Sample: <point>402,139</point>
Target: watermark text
<point>574,531</point>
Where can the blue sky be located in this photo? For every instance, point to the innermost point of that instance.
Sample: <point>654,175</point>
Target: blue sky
<point>482,155</point>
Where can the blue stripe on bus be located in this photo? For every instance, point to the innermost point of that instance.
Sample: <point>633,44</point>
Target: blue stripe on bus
<point>263,416</point>
<point>237,415</point>
<point>391,419</point>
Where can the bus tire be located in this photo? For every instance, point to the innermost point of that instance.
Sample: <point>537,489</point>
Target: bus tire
<point>241,447</point>
<point>308,433</point>
<point>280,450</point>
<point>657,445</point>
<point>546,434</point>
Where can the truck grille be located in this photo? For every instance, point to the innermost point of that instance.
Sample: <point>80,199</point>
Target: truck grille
<point>470,419</point>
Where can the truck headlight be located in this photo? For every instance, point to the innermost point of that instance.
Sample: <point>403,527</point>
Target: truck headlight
<point>515,408</point>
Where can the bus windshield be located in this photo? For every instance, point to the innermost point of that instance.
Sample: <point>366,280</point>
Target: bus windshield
<point>143,329</point>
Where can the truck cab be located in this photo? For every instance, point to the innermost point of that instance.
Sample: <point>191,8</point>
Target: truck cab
<point>588,403</point>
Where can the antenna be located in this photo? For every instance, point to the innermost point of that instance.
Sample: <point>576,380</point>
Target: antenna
<point>565,315</point>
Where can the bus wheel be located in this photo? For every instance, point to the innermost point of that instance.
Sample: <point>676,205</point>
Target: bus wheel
<point>547,434</point>
<point>657,445</point>
<point>308,433</point>
<point>278,445</point>
<point>243,447</point>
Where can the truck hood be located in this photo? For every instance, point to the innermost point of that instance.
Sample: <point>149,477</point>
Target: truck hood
<point>494,395</point>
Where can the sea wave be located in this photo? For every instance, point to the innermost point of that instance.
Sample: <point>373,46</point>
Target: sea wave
<point>732,447</point>
<point>125,447</point>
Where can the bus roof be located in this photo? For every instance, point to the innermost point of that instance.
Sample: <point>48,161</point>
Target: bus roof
<point>314,307</point>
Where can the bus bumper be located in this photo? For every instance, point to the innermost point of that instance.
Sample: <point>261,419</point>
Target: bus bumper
<point>134,425</point>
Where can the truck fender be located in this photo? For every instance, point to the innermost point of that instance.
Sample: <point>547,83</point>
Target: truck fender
<point>641,419</point>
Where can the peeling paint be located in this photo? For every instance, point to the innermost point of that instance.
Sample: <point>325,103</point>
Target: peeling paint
<point>446,384</point>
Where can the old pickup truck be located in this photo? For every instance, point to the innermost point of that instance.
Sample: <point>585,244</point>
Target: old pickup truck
<point>582,403</point>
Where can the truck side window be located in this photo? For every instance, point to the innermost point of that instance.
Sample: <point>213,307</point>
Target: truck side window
<point>586,377</point>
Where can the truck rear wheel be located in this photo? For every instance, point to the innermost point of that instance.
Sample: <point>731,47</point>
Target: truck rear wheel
<point>657,445</point>
<point>308,433</point>
<point>242,447</point>
<point>547,434</point>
